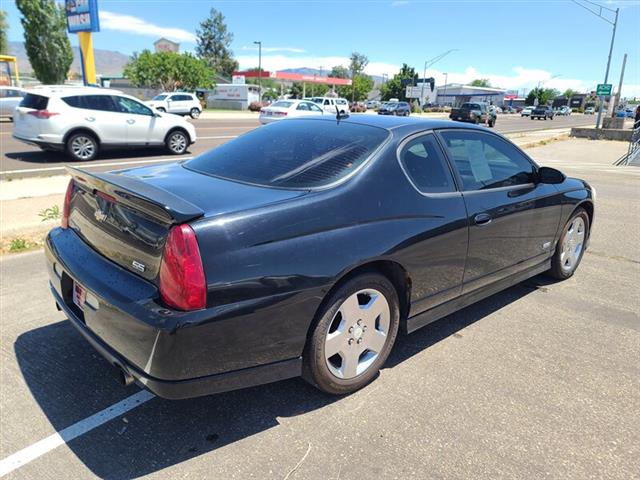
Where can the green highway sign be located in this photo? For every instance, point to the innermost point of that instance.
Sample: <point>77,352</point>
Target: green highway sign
<point>603,89</point>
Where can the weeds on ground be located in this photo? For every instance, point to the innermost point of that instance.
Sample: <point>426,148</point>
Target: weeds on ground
<point>18,244</point>
<point>51,213</point>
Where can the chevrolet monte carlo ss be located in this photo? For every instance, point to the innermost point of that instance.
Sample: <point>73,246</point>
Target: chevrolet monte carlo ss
<point>303,248</point>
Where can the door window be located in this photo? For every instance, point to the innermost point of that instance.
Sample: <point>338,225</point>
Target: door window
<point>103,103</point>
<point>425,165</point>
<point>303,106</point>
<point>486,161</point>
<point>126,105</point>
<point>314,108</point>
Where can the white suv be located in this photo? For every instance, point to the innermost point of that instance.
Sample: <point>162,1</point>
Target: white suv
<point>329,104</point>
<point>180,103</point>
<point>84,120</point>
<point>10,98</point>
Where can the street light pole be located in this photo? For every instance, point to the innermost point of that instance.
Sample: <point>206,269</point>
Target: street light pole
<point>606,75</point>
<point>430,63</point>
<point>446,78</point>
<point>259,70</point>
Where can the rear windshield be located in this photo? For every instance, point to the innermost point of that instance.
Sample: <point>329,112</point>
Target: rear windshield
<point>37,102</point>
<point>471,106</point>
<point>282,104</point>
<point>293,154</point>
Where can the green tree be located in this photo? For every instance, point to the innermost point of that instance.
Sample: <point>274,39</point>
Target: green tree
<point>4,26</point>
<point>168,71</point>
<point>45,39</point>
<point>359,89</point>
<point>213,42</point>
<point>568,93</point>
<point>481,82</point>
<point>394,88</point>
<point>339,72</point>
<point>544,96</point>
<point>296,90</point>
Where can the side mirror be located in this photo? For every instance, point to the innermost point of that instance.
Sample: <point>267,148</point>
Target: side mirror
<point>157,114</point>
<point>550,175</point>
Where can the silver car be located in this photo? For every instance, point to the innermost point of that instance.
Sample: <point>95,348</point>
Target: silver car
<point>10,98</point>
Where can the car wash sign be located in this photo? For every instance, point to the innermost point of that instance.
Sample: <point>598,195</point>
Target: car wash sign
<point>82,16</point>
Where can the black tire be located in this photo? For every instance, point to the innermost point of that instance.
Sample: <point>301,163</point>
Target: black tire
<point>316,368</point>
<point>161,109</point>
<point>492,123</point>
<point>559,268</point>
<point>177,142</point>
<point>476,121</point>
<point>82,147</point>
<point>532,117</point>
<point>194,113</point>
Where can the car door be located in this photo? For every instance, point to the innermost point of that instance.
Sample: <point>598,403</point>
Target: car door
<point>513,220</point>
<point>176,103</point>
<point>141,122</point>
<point>436,256</point>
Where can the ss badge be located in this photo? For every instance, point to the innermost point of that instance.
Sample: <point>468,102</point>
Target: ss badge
<point>138,266</point>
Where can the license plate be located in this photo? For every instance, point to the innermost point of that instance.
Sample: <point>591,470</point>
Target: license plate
<point>79,295</point>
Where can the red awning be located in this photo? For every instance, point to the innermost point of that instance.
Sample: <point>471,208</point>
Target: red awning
<point>296,77</point>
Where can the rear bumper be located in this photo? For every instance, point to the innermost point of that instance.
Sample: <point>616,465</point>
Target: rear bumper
<point>173,354</point>
<point>49,143</point>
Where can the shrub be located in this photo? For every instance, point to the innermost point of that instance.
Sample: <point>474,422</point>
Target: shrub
<point>255,106</point>
<point>18,244</point>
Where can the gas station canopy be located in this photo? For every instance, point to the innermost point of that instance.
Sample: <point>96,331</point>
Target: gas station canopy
<point>294,77</point>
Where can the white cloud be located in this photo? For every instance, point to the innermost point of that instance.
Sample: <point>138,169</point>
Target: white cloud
<point>135,25</point>
<point>399,3</point>
<point>276,49</point>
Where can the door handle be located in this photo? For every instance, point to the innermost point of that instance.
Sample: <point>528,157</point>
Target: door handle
<point>131,121</point>
<point>482,219</point>
<point>90,119</point>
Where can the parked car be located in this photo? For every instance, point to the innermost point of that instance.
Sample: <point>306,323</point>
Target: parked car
<point>400,109</point>
<point>287,109</point>
<point>10,98</point>
<point>563,111</point>
<point>82,121</point>
<point>372,104</point>
<point>542,112</point>
<point>358,107</point>
<point>180,103</point>
<point>331,104</point>
<point>474,112</point>
<point>526,111</point>
<point>589,111</point>
<point>304,248</point>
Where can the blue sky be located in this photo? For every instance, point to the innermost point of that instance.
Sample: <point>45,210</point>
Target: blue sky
<point>514,43</point>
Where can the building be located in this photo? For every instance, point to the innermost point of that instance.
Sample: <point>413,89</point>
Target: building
<point>166,45</point>
<point>456,94</point>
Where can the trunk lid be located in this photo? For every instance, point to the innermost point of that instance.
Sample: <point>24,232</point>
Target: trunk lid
<point>126,215</point>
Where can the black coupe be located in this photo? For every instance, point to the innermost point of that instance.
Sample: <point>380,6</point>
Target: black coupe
<point>303,247</point>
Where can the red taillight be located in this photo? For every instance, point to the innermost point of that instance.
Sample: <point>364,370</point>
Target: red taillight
<point>280,114</point>
<point>67,205</point>
<point>43,114</point>
<point>182,282</point>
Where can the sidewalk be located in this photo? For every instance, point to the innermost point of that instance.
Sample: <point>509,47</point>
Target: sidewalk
<point>22,200</point>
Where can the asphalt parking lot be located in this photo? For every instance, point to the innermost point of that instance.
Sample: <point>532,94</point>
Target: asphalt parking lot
<point>539,381</point>
<point>19,160</point>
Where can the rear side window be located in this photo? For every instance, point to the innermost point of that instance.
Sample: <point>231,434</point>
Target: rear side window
<point>91,102</point>
<point>293,154</point>
<point>37,102</point>
<point>425,165</point>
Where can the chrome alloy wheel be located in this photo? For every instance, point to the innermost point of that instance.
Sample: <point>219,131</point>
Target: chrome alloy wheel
<point>572,244</point>
<point>357,334</point>
<point>83,147</point>
<point>178,142</point>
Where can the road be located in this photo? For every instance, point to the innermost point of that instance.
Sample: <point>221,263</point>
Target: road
<point>539,381</point>
<point>19,160</point>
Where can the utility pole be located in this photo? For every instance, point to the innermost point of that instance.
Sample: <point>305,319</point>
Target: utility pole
<point>259,70</point>
<point>598,14</point>
<point>446,78</point>
<point>619,95</point>
<point>430,63</point>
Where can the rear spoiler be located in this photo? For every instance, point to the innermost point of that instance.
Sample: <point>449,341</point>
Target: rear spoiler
<point>138,195</point>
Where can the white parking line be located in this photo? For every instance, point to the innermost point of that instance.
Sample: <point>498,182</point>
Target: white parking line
<point>97,165</point>
<point>30,453</point>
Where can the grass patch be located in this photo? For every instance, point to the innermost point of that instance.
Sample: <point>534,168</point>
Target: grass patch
<point>51,213</point>
<point>18,245</point>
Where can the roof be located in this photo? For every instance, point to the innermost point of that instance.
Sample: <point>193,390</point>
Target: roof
<point>391,122</point>
<point>72,89</point>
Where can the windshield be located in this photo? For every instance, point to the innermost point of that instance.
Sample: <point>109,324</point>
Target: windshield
<point>159,97</point>
<point>293,154</point>
<point>471,106</point>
